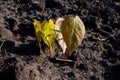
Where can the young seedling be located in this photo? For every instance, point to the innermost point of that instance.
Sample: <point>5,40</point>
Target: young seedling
<point>1,45</point>
<point>45,31</point>
<point>68,31</point>
<point>104,50</point>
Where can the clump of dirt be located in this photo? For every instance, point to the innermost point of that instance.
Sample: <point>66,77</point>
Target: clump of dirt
<point>97,58</point>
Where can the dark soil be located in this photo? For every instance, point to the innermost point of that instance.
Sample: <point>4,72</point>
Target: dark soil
<point>97,58</point>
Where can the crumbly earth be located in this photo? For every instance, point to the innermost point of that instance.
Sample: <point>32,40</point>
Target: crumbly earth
<point>97,58</point>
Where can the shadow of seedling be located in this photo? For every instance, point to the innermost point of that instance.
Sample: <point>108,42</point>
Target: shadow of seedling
<point>8,45</point>
<point>24,49</point>
<point>26,29</point>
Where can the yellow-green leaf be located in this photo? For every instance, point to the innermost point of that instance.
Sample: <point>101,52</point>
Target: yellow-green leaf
<point>117,3</point>
<point>73,31</point>
<point>37,28</point>
<point>59,36</point>
<point>97,1</point>
<point>48,34</point>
